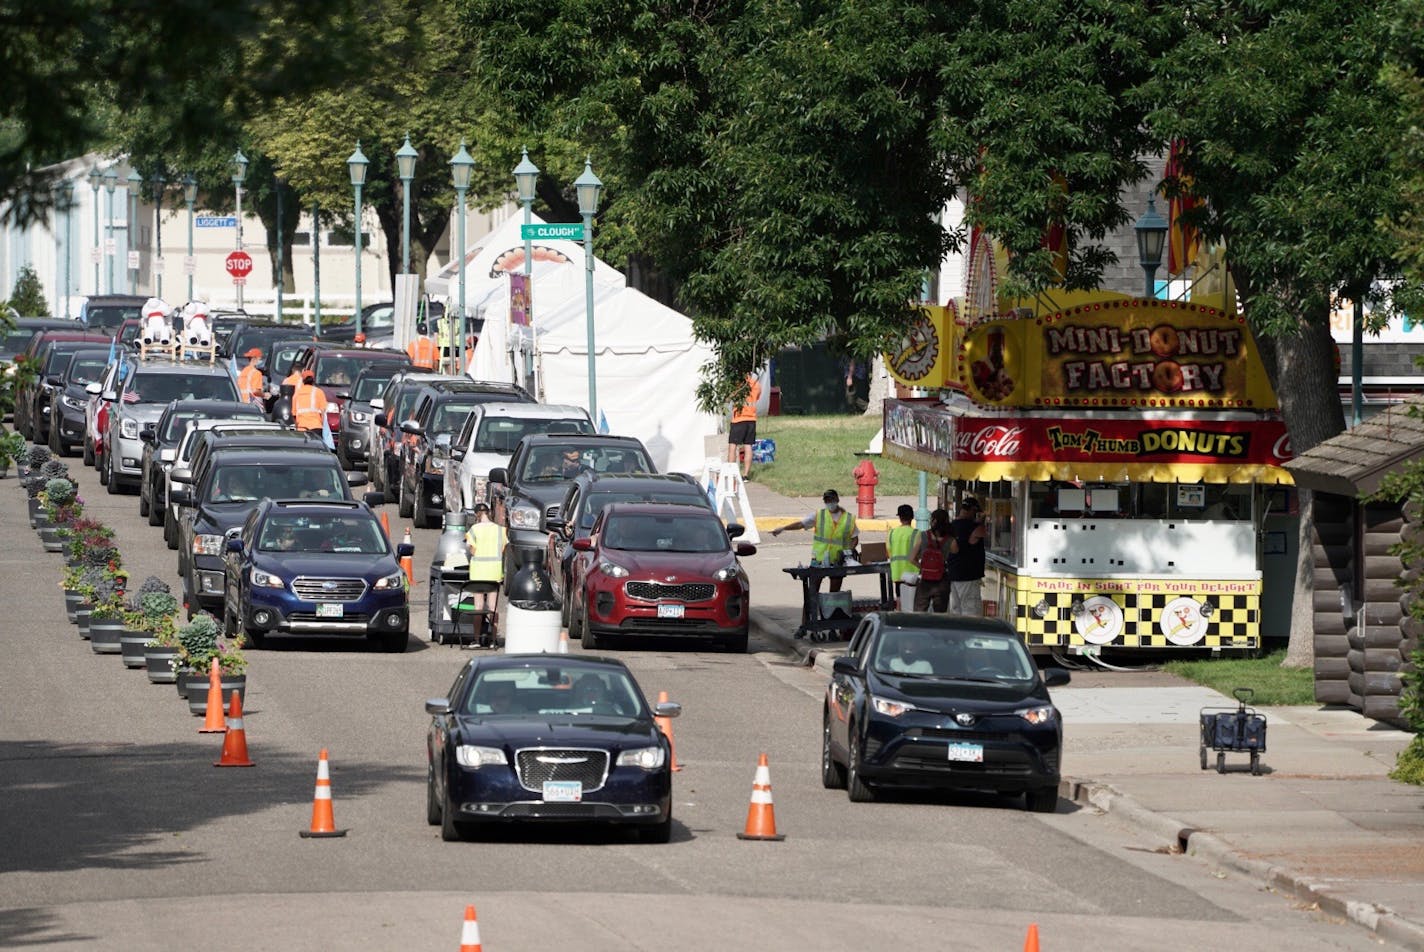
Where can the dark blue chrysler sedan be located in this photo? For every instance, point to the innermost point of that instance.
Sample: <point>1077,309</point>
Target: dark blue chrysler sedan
<point>548,737</point>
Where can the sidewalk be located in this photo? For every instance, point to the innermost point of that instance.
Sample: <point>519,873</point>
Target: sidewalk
<point>1324,823</point>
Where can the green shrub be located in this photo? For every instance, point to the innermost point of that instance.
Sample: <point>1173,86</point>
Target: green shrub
<point>1409,768</point>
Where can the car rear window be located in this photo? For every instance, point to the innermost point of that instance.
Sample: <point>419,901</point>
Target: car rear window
<point>502,434</point>
<point>165,388</point>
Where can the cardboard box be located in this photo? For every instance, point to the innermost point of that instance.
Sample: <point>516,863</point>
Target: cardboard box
<point>874,552</point>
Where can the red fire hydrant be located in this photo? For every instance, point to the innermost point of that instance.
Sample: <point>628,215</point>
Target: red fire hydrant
<point>865,479</point>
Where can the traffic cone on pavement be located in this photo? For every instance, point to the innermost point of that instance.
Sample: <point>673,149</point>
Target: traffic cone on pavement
<point>407,563</point>
<point>386,523</point>
<point>761,817</point>
<point>323,822</point>
<point>665,725</point>
<point>234,751</point>
<point>1031,940</point>
<point>470,933</point>
<point>213,722</point>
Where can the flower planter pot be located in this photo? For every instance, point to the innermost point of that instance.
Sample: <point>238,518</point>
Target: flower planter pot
<point>131,646</point>
<point>104,635</point>
<point>51,539</point>
<point>159,660</point>
<point>81,620</point>
<point>190,682</point>
<point>230,683</point>
<point>73,601</point>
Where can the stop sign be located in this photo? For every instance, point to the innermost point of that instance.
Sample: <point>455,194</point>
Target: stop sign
<point>239,264</point>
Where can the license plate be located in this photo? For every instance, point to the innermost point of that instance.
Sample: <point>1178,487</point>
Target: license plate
<point>670,611</point>
<point>967,753</point>
<point>329,610</point>
<point>563,791</point>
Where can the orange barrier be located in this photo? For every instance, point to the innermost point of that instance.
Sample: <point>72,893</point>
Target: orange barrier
<point>213,722</point>
<point>664,725</point>
<point>761,817</point>
<point>470,932</point>
<point>234,751</point>
<point>323,822</point>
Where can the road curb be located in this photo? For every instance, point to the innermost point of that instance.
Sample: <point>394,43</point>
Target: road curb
<point>1381,920</point>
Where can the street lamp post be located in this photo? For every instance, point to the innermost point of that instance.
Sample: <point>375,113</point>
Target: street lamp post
<point>67,190</point>
<point>111,178</point>
<point>281,265</point>
<point>588,187</point>
<point>405,164</point>
<point>316,265</point>
<point>95,177</point>
<point>131,229</point>
<point>356,165</point>
<point>190,195</point>
<point>160,184</point>
<point>462,167</point>
<point>1151,231</point>
<point>239,175</point>
<point>526,177</point>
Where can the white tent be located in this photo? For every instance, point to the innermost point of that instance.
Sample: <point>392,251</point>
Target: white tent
<point>647,362</point>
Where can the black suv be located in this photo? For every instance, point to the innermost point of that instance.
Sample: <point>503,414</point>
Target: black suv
<point>587,496</point>
<point>103,313</point>
<point>47,354</point>
<point>160,445</point>
<point>439,414</point>
<point>353,447</point>
<point>69,398</point>
<point>531,488</point>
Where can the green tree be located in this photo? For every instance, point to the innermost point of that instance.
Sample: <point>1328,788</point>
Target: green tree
<point>28,298</point>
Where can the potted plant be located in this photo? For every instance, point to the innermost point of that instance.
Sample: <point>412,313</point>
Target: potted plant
<point>200,644</point>
<point>100,586</point>
<point>160,652</point>
<point>12,445</point>
<point>58,498</point>
<point>83,536</point>
<point>106,621</point>
<point>142,620</point>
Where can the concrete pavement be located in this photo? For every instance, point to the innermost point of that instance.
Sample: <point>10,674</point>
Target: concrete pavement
<point>1324,823</point>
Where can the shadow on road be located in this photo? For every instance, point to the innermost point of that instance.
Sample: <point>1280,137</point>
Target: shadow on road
<point>22,927</point>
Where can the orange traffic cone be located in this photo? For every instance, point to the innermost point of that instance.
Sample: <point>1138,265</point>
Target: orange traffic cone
<point>1031,940</point>
<point>407,563</point>
<point>213,722</point>
<point>234,752</point>
<point>665,725</point>
<point>563,641</point>
<point>323,823</point>
<point>470,933</point>
<point>761,817</point>
<point>385,523</point>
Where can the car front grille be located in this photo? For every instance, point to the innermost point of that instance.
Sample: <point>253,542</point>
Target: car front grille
<point>328,589</point>
<point>683,592</point>
<point>539,764</point>
<point>311,618</point>
<point>667,626</point>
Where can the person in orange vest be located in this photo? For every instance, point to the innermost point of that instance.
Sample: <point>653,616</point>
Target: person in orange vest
<point>423,352</point>
<point>309,403</point>
<point>742,434</point>
<point>249,378</point>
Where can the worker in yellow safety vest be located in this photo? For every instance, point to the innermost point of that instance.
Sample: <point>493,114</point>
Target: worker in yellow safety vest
<point>836,535</point>
<point>309,403</point>
<point>900,543</point>
<point>249,378</point>
<point>485,542</point>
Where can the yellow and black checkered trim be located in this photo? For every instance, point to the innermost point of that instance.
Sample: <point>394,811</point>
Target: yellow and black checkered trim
<point>1235,621</point>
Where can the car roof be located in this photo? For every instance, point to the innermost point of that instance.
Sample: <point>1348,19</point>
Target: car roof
<point>378,353</point>
<point>933,621</point>
<point>515,661</point>
<point>595,439</point>
<point>466,385</point>
<point>212,404</point>
<point>52,335</point>
<point>533,411</point>
<point>273,455</point>
<point>639,480</point>
<point>44,323</point>
<point>115,299</point>
<point>298,505</point>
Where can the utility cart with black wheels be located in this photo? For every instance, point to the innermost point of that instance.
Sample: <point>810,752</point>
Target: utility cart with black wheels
<point>823,620</point>
<point>1239,730</point>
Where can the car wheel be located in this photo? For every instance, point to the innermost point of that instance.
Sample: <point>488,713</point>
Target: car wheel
<point>564,617</point>
<point>419,511</point>
<point>156,511</point>
<point>586,635</point>
<point>88,453</point>
<point>393,642</point>
<point>55,443</point>
<point>143,506</point>
<point>736,644</point>
<point>102,465</point>
<point>341,459</point>
<point>856,788</point>
<point>1042,800</point>
<point>112,483</point>
<point>170,531</point>
<point>433,813</point>
<point>405,507</point>
<point>833,775</point>
<point>372,471</point>
<point>658,832</point>
<point>450,831</point>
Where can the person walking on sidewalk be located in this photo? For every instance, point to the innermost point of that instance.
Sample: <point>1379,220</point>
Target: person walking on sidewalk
<point>836,535</point>
<point>965,569</point>
<point>931,556</point>
<point>900,543</point>
<point>742,433</point>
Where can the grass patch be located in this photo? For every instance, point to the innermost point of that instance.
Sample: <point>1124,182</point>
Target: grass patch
<point>1409,767</point>
<point>816,453</point>
<point>1273,684</point>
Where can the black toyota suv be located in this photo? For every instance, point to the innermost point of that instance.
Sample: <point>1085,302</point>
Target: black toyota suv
<point>439,413</point>
<point>160,445</point>
<point>530,489</point>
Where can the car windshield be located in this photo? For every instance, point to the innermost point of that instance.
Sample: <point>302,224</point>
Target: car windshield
<point>645,532</point>
<point>343,533</point>
<point>450,416</point>
<point>165,388</point>
<point>369,386</point>
<point>108,317</point>
<point>268,481</point>
<point>59,359</point>
<point>405,402</point>
<point>14,341</point>
<point>195,436</point>
<point>952,655</point>
<point>337,371</point>
<point>554,689</point>
<point>566,460</point>
<point>502,434</point>
<point>593,503</point>
<point>282,358</point>
<point>86,369</point>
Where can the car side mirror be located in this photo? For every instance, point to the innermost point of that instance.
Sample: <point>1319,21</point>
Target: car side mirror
<point>234,546</point>
<point>457,452</point>
<point>667,709</point>
<point>378,404</point>
<point>437,706</point>
<point>111,395</point>
<point>181,497</point>
<point>343,395</point>
<point>357,479</point>
<point>148,435</point>
<point>405,550</point>
<point>745,548</point>
<point>381,420</point>
<point>845,665</point>
<point>735,529</point>
<point>1055,677</point>
<point>53,380</point>
<point>442,440</point>
<point>94,389</point>
<point>374,498</point>
<point>555,524</point>
<point>582,545</point>
<point>499,475</point>
<point>411,427</point>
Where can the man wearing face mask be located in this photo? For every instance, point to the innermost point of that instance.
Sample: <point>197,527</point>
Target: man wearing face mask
<point>836,534</point>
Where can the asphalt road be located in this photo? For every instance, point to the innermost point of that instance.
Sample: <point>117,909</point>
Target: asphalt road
<point>117,832</point>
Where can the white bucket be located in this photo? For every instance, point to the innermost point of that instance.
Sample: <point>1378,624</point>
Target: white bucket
<point>529,632</point>
<point>907,596</point>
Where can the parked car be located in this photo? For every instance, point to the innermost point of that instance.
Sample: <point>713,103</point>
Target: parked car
<point>45,355</point>
<point>105,312</point>
<point>67,403</point>
<point>96,410</point>
<point>14,338</point>
<point>440,411</point>
<point>394,407</point>
<point>243,335</point>
<point>651,569</point>
<point>315,568</point>
<point>228,486</point>
<point>160,446</point>
<point>204,434</point>
<point>922,700</point>
<point>140,399</point>
<point>585,499</point>
<point>488,438</point>
<point>547,739</point>
<point>529,490</point>
<point>357,428</point>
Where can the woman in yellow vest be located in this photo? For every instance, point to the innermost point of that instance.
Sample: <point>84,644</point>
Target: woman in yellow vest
<point>836,534</point>
<point>900,542</point>
<point>485,541</point>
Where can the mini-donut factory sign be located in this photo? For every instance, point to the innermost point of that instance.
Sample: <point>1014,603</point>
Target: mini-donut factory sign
<point>1120,352</point>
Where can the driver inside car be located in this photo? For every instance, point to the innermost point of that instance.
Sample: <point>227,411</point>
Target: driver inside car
<point>910,657</point>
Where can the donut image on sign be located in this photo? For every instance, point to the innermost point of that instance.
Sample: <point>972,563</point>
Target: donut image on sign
<point>1164,340</point>
<point>1099,621</point>
<point>1182,622</point>
<point>1167,376</point>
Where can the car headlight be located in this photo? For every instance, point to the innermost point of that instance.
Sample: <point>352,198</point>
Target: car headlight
<point>648,758</point>
<point>72,403</point>
<point>727,574</point>
<point>358,417</point>
<point>612,569</point>
<point>891,708</point>
<point>524,517</point>
<point>468,755</point>
<point>434,464</point>
<point>207,545</point>
<point>390,582</point>
<point>128,428</point>
<point>1038,715</point>
<point>266,579</point>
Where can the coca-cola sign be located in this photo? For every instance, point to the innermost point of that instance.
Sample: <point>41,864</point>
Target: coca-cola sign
<point>994,441</point>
